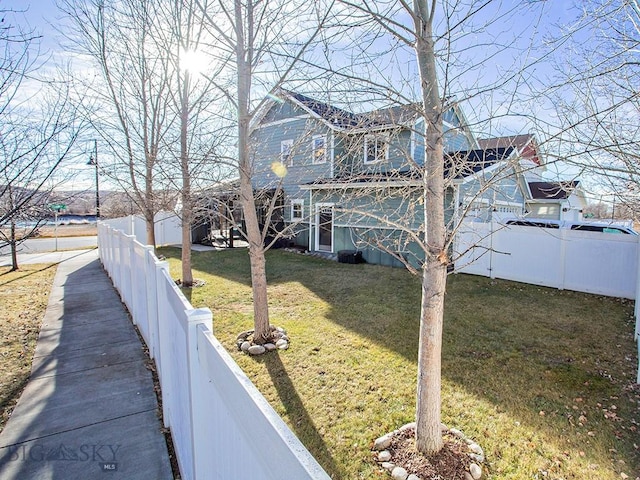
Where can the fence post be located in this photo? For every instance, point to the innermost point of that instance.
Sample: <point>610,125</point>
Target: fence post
<point>162,362</point>
<point>151,300</point>
<point>199,441</point>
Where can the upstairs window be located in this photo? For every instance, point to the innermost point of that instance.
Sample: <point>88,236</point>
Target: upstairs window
<point>286,152</point>
<point>297,210</point>
<point>319,143</point>
<point>376,148</point>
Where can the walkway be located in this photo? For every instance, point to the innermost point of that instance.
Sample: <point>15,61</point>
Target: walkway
<point>89,409</point>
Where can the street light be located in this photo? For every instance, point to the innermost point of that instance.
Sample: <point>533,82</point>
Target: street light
<point>93,160</point>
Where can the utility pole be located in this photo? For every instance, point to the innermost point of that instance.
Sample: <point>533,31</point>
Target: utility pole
<point>93,160</point>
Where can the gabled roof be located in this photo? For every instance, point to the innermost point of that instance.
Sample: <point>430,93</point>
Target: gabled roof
<point>464,163</point>
<point>342,119</point>
<point>552,190</point>
<point>335,116</point>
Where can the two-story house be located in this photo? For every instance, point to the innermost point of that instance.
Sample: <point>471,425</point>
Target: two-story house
<point>347,181</point>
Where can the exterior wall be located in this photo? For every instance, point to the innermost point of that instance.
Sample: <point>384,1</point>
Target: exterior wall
<point>492,190</point>
<point>266,146</point>
<point>544,210</point>
<point>282,111</point>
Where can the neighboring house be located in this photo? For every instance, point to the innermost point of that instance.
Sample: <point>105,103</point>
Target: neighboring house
<point>346,181</point>
<point>557,200</point>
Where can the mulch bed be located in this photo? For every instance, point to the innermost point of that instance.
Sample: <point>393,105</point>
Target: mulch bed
<point>450,463</point>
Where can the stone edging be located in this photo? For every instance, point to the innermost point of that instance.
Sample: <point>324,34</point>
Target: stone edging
<point>280,341</point>
<point>400,473</point>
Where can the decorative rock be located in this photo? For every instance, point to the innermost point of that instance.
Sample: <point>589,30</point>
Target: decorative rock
<point>384,456</point>
<point>413,476</point>
<point>269,347</point>
<point>475,471</point>
<point>245,346</point>
<point>256,349</point>
<point>408,426</point>
<point>281,330</point>
<point>475,448</point>
<point>399,473</point>
<point>284,346</point>
<point>388,465</point>
<point>282,343</point>
<point>467,476</point>
<point>476,457</point>
<point>244,335</point>
<point>381,443</point>
<point>456,433</point>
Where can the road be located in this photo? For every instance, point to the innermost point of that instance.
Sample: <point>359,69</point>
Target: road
<point>36,245</point>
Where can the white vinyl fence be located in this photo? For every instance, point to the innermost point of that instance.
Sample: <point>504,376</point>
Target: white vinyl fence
<point>592,262</point>
<point>167,227</point>
<point>222,427</point>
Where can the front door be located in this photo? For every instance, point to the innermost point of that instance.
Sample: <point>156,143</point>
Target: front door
<point>325,228</point>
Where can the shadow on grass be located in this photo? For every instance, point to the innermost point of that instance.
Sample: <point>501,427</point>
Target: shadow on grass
<point>33,272</point>
<point>529,351</point>
<point>301,421</point>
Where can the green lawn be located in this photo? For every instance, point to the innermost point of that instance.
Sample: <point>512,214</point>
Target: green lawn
<point>542,379</point>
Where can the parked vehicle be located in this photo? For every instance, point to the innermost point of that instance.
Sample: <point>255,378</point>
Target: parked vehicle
<point>602,227</point>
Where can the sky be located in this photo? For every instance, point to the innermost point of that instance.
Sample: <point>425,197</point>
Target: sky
<point>522,29</point>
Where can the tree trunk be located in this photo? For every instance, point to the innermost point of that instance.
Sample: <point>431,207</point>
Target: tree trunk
<point>428,432</point>
<point>14,248</point>
<point>244,54</point>
<point>187,275</point>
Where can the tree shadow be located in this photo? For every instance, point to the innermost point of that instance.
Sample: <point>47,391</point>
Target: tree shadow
<point>522,348</point>
<point>300,420</point>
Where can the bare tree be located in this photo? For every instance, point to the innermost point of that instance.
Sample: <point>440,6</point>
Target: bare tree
<point>38,131</point>
<point>597,98</point>
<point>128,101</point>
<point>445,44</point>
<point>195,104</point>
<point>262,44</point>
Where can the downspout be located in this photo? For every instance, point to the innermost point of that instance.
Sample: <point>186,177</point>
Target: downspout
<point>310,217</point>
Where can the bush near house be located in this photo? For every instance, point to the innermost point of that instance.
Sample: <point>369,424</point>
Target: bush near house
<point>543,379</point>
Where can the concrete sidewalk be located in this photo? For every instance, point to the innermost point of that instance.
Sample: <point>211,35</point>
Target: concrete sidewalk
<point>89,409</point>
<point>42,257</point>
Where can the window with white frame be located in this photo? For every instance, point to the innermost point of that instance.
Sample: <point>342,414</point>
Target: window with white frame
<point>297,210</point>
<point>286,152</point>
<point>319,144</point>
<point>376,148</point>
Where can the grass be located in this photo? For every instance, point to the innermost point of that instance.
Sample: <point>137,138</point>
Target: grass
<point>69,230</point>
<point>23,300</point>
<point>542,379</point>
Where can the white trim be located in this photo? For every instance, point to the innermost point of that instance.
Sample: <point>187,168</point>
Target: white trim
<point>319,207</point>
<point>469,200</point>
<point>385,139</point>
<point>332,155</point>
<point>288,162</point>
<point>310,222</point>
<point>297,202</point>
<point>354,185</point>
<point>283,121</point>
<point>325,155</point>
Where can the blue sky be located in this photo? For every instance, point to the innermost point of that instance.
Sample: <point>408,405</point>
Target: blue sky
<point>42,14</point>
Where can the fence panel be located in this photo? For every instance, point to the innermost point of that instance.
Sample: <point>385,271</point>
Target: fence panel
<point>221,425</point>
<point>242,423</point>
<point>591,262</point>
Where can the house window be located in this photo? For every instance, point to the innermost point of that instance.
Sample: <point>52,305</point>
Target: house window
<point>319,148</point>
<point>286,152</point>
<point>297,210</point>
<point>376,148</point>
